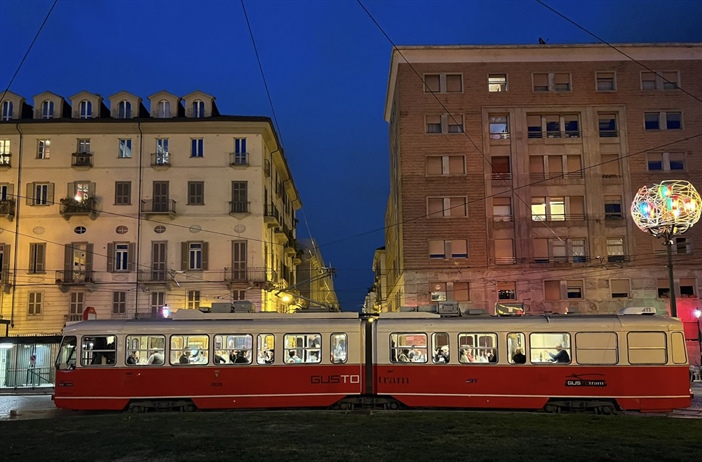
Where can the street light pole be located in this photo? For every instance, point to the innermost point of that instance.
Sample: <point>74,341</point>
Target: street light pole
<point>671,280</point>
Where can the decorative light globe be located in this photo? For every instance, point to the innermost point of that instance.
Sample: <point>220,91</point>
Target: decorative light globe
<point>667,208</point>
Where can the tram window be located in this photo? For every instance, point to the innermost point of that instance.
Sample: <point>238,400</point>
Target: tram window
<point>678,345</point>
<point>66,359</point>
<point>266,348</point>
<point>550,347</point>
<point>596,348</point>
<point>98,350</point>
<point>477,348</point>
<point>302,348</point>
<point>440,341</point>
<point>189,349</point>
<point>233,349</point>
<point>143,350</point>
<point>647,348</point>
<point>408,347</point>
<point>339,352</point>
<point>516,348</point>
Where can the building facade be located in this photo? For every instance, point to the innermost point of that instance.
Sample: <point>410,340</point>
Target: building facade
<point>133,208</point>
<point>512,171</point>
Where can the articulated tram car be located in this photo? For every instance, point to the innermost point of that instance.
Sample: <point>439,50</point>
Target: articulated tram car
<point>198,360</point>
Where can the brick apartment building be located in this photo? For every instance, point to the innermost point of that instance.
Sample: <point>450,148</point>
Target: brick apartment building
<point>512,171</point>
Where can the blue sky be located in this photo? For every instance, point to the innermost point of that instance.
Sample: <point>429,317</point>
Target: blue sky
<point>326,65</point>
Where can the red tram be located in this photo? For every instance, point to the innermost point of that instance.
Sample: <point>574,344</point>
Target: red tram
<point>201,360</point>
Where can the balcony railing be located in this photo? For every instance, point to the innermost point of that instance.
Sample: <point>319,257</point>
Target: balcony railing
<point>153,275</point>
<point>541,176</point>
<point>240,159</point>
<point>501,176</point>
<point>553,134</point>
<point>160,159</point>
<point>617,258</point>
<point>502,218</point>
<point>81,159</point>
<point>559,217</point>
<point>260,275</point>
<point>71,207</point>
<point>272,216</point>
<point>158,207</point>
<point>74,277</point>
<point>238,207</point>
<point>569,259</point>
<point>609,134</point>
<point>5,159</point>
<point>5,276</point>
<point>505,260</point>
<point>7,208</point>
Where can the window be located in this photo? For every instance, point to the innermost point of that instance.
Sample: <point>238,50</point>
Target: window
<point>240,202</point>
<point>266,348</point>
<point>123,192</point>
<point>647,347</point>
<point>7,110</point>
<point>75,306</point>
<point>477,348</point>
<point>237,348</point>
<point>608,125</point>
<point>499,127</point>
<point>164,109</point>
<point>595,348</point>
<point>47,109</point>
<point>193,300</point>
<point>443,83</point>
<point>302,348</point>
<point>682,246</point>
<point>457,248</point>
<point>659,80</point>
<point>552,208</point>
<point>4,147</point>
<point>507,290</point>
<point>445,165</point>
<point>501,168</point>
<point>447,207</point>
<point>196,193</point>
<point>551,81</point>
<point>124,110</point>
<point>615,250</point>
<point>120,252</point>
<point>610,166</point>
<point>516,348</point>
<point>408,347</point>
<point>447,123</point>
<point>663,120</point>
<point>504,251</point>
<point>605,81</point>
<point>665,161</point>
<point>613,208</point>
<point>98,350</point>
<point>461,291</point>
<point>157,301</point>
<point>619,288</point>
<point>502,209</point>
<point>34,303</point>
<point>553,126</point>
<point>663,288</point>
<point>559,250</point>
<point>119,303</point>
<point>562,290</point>
<point>43,149</point>
<point>86,109</point>
<point>198,109</point>
<point>125,148</point>
<point>555,166</point>
<point>441,352</point>
<point>37,257</point>
<point>339,348</point>
<point>574,290</point>
<point>497,83</point>
<point>40,193</point>
<point>145,350</point>
<point>195,256</point>
<point>162,156</point>
<point>241,156</point>
<point>552,347</point>
<point>437,290</point>
<point>196,147</point>
<point>189,349</point>
<point>239,295</point>
<point>83,145</point>
<point>687,287</point>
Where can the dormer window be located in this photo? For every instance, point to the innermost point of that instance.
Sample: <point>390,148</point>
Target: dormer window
<point>7,110</point>
<point>198,109</point>
<point>47,109</point>
<point>124,110</point>
<point>164,109</point>
<point>86,109</point>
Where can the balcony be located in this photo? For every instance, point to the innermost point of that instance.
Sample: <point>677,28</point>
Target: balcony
<point>237,207</point>
<point>82,159</point>
<point>504,176</point>
<point>260,278</point>
<point>5,160</point>
<point>505,260</point>
<point>160,159</point>
<point>5,277</point>
<point>555,218</point>
<point>238,159</point>
<point>70,207</point>
<point>7,208</point>
<point>272,216</point>
<point>159,207</point>
<point>71,278</point>
<point>153,276</point>
<point>557,260</point>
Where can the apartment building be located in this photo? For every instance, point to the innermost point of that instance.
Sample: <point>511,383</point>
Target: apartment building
<point>132,207</point>
<point>512,171</point>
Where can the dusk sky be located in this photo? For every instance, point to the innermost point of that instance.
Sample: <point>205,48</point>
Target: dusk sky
<point>326,65</point>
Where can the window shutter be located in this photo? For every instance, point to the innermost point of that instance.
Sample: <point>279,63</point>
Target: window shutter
<point>91,189</point>
<point>10,191</point>
<point>205,248</point>
<point>71,192</point>
<point>68,258</point>
<point>89,258</point>
<point>183,256</point>
<point>30,193</point>
<point>50,195</point>
<point>110,257</point>
<point>131,258</point>
<point>6,254</point>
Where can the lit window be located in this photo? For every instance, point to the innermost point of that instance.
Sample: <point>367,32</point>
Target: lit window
<point>497,83</point>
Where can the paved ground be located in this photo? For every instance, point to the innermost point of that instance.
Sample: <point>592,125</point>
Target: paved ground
<point>37,404</point>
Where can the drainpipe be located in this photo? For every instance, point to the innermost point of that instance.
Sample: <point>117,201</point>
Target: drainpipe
<point>13,294</point>
<point>137,263</point>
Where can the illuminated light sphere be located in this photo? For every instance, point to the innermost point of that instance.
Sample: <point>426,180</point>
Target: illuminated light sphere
<point>667,208</point>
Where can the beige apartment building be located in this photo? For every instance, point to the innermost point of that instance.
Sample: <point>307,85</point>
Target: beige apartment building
<point>513,168</point>
<point>134,207</point>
